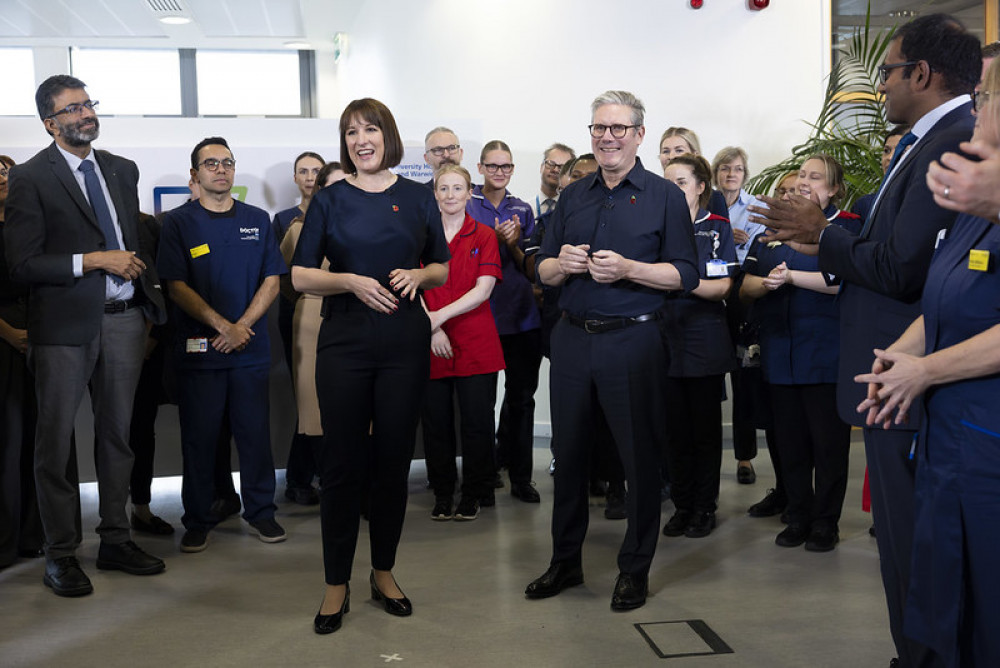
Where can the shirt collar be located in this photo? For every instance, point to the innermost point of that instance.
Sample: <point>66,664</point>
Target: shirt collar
<point>636,177</point>
<point>74,161</point>
<point>930,119</point>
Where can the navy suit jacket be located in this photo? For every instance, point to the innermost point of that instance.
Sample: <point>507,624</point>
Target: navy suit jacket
<point>884,274</point>
<point>48,220</point>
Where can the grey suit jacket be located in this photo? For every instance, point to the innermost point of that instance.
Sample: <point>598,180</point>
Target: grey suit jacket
<point>884,273</point>
<point>48,220</point>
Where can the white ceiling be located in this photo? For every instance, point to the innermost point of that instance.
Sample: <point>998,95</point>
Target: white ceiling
<point>263,24</point>
<point>223,23</point>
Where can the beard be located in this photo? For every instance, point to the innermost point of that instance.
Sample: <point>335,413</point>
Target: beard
<point>74,135</point>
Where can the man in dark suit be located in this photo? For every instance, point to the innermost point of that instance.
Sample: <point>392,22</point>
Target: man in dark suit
<point>71,236</point>
<point>930,68</point>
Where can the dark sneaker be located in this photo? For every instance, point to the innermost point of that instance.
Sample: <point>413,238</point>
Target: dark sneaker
<point>194,540</point>
<point>268,530</point>
<point>468,509</point>
<point>822,538</point>
<point>442,509</point>
<point>226,507</point>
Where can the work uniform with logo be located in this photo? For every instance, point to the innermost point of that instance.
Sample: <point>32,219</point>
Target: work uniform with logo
<point>224,258</point>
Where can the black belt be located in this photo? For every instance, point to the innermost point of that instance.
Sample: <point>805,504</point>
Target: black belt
<point>120,305</point>
<point>597,326</point>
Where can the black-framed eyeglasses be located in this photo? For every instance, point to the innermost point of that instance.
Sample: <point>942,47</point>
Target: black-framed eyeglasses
<point>441,150</point>
<point>980,98</point>
<point>212,164</point>
<point>504,169</point>
<point>883,70</point>
<point>618,130</point>
<point>75,108</point>
<point>552,164</point>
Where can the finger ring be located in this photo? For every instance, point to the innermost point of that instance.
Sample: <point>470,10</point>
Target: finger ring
<point>946,192</point>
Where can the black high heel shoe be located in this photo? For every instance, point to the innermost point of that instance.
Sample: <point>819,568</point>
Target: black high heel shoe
<point>401,607</point>
<point>324,624</point>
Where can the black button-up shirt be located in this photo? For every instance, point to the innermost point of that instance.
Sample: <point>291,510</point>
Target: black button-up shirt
<point>644,218</point>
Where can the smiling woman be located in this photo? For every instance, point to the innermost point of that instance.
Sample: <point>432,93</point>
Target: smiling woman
<point>383,238</point>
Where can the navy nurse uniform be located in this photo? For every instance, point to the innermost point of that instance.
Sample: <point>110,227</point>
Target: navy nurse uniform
<point>371,367</point>
<point>954,599</point>
<point>224,257</point>
<point>799,351</point>
<point>700,353</point>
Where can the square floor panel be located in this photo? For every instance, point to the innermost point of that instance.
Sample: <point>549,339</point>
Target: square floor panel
<point>689,637</point>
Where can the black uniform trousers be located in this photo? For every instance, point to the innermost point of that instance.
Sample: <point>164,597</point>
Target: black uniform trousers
<point>476,395</point>
<point>622,372</point>
<point>694,441</point>
<point>371,373</point>
<point>522,354</point>
<point>891,477</point>
<point>811,440</point>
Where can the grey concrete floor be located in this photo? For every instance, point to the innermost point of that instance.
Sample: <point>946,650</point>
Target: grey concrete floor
<point>244,603</point>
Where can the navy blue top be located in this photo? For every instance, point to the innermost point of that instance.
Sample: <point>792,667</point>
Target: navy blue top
<point>371,234</point>
<point>717,204</point>
<point>863,206</point>
<point>224,257</point>
<point>693,328</point>
<point>283,219</point>
<point>644,218</point>
<point>799,328</point>
<point>962,423</point>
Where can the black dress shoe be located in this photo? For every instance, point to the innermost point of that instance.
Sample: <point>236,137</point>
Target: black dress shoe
<point>822,538</point>
<point>304,496</point>
<point>701,525</point>
<point>678,523</point>
<point>65,577</point>
<point>524,491</point>
<point>793,535</point>
<point>772,504</point>
<point>745,475</point>
<point>154,525</point>
<point>401,607</point>
<point>324,624</point>
<point>560,575</point>
<point>128,557</point>
<point>630,592</point>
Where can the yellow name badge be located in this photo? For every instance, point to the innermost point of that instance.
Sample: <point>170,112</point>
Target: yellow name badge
<point>979,260</point>
<point>198,251</point>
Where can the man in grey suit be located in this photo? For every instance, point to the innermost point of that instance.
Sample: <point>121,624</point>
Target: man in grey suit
<point>71,236</point>
<point>930,67</point>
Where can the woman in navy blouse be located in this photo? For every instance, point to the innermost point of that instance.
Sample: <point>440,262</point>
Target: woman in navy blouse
<point>383,237</point>
<point>799,342</point>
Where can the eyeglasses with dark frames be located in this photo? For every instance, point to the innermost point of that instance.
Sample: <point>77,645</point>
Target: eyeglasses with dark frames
<point>618,130</point>
<point>883,70</point>
<point>212,164</point>
<point>504,169</point>
<point>441,150</point>
<point>75,108</point>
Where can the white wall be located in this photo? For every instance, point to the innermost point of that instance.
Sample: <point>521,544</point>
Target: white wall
<point>521,70</point>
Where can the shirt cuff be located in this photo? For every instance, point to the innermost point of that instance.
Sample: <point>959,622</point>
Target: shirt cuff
<point>78,265</point>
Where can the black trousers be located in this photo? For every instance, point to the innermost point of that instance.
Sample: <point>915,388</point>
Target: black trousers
<point>371,373</point>
<point>522,354</point>
<point>891,478</point>
<point>694,441</point>
<point>622,372</point>
<point>812,441</point>
<point>476,397</point>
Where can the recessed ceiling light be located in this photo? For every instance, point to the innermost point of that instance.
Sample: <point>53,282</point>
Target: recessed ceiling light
<point>175,20</point>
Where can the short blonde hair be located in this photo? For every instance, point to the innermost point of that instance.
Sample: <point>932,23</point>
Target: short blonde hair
<point>687,135</point>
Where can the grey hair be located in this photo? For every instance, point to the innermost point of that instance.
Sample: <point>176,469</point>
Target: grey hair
<point>436,130</point>
<point>623,98</point>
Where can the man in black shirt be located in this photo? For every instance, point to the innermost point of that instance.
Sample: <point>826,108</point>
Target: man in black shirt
<point>617,243</point>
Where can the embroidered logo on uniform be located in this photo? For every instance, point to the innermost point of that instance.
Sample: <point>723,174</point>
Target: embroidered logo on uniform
<point>249,234</point>
<point>475,252</point>
<point>632,200</point>
<point>395,208</point>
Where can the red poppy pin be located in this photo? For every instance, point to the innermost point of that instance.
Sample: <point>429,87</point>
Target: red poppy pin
<point>395,208</point>
<point>632,200</point>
